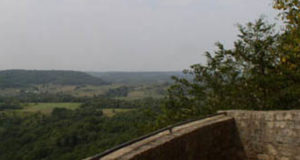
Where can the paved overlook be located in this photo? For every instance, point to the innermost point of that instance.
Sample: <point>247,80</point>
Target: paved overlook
<point>230,135</point>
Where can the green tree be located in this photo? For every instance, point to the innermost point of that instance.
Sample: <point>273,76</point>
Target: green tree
<point>249,76</point>
<point>289,50</point>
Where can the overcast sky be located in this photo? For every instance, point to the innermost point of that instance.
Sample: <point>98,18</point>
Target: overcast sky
<point>119,35</point>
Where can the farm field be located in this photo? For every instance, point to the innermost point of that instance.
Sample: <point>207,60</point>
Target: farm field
<point>110,112</point>
<point>47,108</point>
<point>133,93</point>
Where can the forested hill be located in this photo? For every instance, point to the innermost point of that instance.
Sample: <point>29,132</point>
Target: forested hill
<point>24,78</point>
<point>137,77</point>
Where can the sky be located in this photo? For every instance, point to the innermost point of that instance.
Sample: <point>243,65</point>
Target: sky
<point>119,35</point>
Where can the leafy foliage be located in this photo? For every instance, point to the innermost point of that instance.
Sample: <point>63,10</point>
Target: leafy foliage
<point>102,102</point>
<point>118,92</point>
<point>10,105</point>
<point>69,134</point>
<point>252,75</point>
<point>290,47</point>
<point>134,78</point>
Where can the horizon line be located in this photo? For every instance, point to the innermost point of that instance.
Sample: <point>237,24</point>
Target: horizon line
<point>91,70</point>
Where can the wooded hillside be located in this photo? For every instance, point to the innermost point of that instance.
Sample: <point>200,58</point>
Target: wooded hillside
<point>24,78</point>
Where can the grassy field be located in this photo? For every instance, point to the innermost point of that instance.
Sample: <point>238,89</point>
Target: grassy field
<point>135,92</point>
<point>47,108</point>
<point>109,112</point>
<point>79,91</point>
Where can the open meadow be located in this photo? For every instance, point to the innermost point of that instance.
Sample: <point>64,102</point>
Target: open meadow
<point>47,108</point>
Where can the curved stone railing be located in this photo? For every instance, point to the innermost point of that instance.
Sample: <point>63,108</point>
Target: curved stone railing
<point>211,138</point>
<point>232,135</point>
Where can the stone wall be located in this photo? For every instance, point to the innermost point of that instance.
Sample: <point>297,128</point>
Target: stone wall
<point>213,138</point>
<point>269,135</point>
<point>234,135</point>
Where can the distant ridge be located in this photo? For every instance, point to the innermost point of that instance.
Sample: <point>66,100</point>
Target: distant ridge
<point>25,78</point>
<point>138,77</point>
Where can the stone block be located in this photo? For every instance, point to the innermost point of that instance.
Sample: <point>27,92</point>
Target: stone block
<point>270,124</point>
<point>284,158</point>
<point>269,117</point>
<point>280,124</point>
<point>271,150</point>
<point>263,157</point>
<point>279,116</point>
<point>288,116</point>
